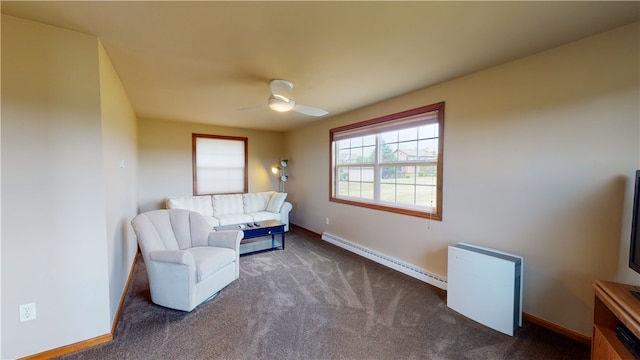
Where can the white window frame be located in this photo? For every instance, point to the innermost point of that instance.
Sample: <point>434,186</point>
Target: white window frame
<point>366,130</point>
<point>223,168</point>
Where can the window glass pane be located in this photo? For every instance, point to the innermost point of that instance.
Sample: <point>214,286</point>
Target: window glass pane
<point>388,174</point>
<point>426,196</point>
<point>343,188</point>
<point>369,154</point>
<point>408,151</point>
<point>356,155</point>
<point>388,152</point>
<point>428,131</point>
<point>427,175</point>
<point>356,142</point>
<point>354,174</point>
<point>389,137</point>
<point>343,156</point>
<point>408,134</point>
<point>343,174</point>
<point>388,192</point>
<point>367,190</point>
<point>406,194</point>
<point>428,149</point>
<point>354,189</point>
<point>369,140</point>
<point>343,144</point>
<point>408,175</point>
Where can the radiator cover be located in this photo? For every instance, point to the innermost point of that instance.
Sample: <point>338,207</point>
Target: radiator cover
<point>485,285</point>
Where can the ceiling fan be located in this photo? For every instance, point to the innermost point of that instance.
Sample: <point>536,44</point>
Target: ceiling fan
<point>281,100</point>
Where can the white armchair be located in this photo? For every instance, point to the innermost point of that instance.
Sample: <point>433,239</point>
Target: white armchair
<point>186,262</point>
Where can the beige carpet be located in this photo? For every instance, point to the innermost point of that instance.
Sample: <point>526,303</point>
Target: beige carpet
<point>316,301</point>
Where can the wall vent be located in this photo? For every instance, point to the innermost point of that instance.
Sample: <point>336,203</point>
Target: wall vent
<point>413,271</point>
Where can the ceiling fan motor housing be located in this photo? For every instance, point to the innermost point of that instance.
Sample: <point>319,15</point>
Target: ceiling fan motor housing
<point>281,103</point>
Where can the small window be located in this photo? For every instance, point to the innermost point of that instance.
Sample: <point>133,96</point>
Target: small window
<point>219,164</point>
<point>392,163</point>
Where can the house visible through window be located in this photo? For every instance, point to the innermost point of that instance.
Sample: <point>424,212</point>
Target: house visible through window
<point>392,163</point>
<point>219,164</point>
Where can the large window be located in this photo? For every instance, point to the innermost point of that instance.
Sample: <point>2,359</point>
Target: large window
<point>219,164</point>
<point>392,163</point>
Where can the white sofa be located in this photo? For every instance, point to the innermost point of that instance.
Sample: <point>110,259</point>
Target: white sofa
<point>236,208</point>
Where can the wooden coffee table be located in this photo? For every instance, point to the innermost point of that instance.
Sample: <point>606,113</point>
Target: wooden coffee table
<point>251,242</point>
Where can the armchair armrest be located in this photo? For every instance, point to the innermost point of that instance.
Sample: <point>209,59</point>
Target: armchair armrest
<point>172,256</point>
<point>228,239</point>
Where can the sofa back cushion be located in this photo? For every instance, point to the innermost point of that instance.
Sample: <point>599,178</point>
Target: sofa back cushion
<point>276,201</point>
<point>254,202</point>
<point>227,204</point>
<point>201,204</point>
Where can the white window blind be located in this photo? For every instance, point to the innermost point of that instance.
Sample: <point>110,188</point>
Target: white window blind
<point>219,165</point>
<point>388,125</point>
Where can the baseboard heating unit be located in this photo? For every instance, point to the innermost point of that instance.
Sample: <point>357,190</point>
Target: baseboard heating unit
<point>408,269</point>
<point>485,285</point>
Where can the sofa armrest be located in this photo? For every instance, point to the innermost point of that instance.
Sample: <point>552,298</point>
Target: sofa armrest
<point>227,239</point>
<point>286,207</point>
<point>284,214</point>
<point>172,256</point>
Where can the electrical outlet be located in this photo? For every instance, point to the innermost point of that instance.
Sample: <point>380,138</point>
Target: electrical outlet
<point>27,312</point>
<point>327,221</point>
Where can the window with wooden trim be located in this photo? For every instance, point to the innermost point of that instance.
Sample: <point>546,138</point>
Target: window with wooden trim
<point>392,163</point>
<point>219,164</point>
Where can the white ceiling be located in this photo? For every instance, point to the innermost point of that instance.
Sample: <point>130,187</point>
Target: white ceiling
<point>202,61</point>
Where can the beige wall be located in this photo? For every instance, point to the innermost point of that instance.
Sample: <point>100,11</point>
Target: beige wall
<point>53,189</point>
<point>164,150</point>
<point>119,151</point>
<point>538,158</point>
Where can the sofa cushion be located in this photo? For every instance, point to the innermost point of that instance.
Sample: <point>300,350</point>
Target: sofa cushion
<point>276,201</point>
<point>201,204</point>
<point>230,219</point>
<point>264,216</point>
<point>227,204</point>
<point>256,201</point>
<point>210,259</point>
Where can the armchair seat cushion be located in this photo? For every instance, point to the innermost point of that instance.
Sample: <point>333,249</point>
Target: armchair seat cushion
<point>209,260</point>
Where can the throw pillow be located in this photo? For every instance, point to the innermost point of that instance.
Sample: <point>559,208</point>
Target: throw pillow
<point>276,201</point>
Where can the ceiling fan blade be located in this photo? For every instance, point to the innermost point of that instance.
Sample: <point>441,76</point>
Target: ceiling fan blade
<point>281,88</point>
<point>309,110</point>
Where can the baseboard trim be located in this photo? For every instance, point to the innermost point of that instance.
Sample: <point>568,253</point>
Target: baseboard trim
<point>305,230</point>
<point>67,349</point>
<point>124,293</point>
<point>84,344</point>
<point>557,328</point>
<point>390,262</point>
<point>525,316</point>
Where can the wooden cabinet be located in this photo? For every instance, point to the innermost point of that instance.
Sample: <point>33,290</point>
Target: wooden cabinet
<point>614,304</point>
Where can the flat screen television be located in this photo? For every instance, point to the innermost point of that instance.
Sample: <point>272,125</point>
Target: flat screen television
<point>634,248</point>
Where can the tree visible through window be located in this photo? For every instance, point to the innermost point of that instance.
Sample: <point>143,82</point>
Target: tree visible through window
<point>392,163</point>
<point>219,164</point>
